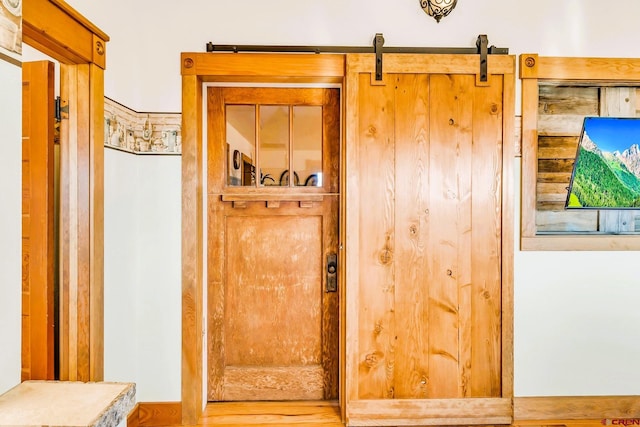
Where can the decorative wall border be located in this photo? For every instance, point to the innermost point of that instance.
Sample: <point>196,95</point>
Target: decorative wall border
<point>11,29</point>
<point>141,133</point>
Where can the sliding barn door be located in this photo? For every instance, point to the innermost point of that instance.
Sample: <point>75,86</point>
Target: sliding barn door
<point>429,241</point>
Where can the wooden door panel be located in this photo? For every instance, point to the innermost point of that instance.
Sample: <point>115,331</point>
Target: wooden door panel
<point>37,221</point>
<point>272,322</point>
<point>257,383</point>
<point>425,247</point>
<point>273,263</point>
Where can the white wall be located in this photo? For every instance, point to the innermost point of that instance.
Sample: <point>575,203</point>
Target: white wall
<point>147,36</point>
<point>576,330</point>
<point>159,291</point>
<point>142,273</point>
<point>121,259</point>
<point>10,224</point>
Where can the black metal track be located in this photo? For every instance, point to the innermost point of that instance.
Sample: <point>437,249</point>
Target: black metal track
<point>350,49</point>
<point>378,48</point>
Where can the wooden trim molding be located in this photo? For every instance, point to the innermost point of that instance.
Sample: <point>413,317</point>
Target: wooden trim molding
<point>133,419</point>
<point>534,410</point>
<point>192,256</point>
<point>155,414</point>
<point>429,412</point>
<point>55,28</point>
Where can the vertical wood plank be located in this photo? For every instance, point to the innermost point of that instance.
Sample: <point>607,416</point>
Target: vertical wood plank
<point>96,222</point>
<point>486,307</point>
<point>331,138</point>
<point>411,230</point>
<point>465,143</point>
<point>376,149</point>
<point>83,281</point>
<point>350,205</point>
<point>507,229</point>
<point>216,231</point>
<point>330,300</point>
<point>529,171</point>
<point>216,294</point>
<point>331,241</point>
<point>447,126</point>
<point>71,171</point>
<point>192,248</point>
<point>67,91</point>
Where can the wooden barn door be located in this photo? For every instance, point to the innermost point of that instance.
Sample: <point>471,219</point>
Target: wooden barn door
<point>273,319</point>
<point>429,241</point>
<point>37,221</point>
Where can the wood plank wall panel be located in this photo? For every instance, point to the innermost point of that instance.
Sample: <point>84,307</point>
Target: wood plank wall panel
<point>561,110</point>
<point>560,114</point>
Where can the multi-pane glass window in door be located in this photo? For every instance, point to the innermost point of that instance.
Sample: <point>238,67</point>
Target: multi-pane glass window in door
<point>266,142</point>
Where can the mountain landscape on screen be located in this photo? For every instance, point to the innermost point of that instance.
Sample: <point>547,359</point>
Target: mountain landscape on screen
<point>606,172</point>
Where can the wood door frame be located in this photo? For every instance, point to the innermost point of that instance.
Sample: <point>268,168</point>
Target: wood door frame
<point>197,69</point>
<point>58,30</point>
<point>440,411</point>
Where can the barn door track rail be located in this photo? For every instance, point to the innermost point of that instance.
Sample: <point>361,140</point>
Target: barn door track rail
<point>482,48</point>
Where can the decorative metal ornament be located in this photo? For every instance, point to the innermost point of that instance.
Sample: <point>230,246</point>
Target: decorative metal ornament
<point>438,8</point>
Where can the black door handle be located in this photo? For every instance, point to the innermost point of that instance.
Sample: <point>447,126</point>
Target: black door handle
<point>332,273</point>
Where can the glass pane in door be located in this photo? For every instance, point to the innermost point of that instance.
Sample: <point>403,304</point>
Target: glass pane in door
<point>241,145</point>
<point>307,145</point>
<point>274,145</point>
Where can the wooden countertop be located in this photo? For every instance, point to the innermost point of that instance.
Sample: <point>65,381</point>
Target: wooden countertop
<point>68,404</point>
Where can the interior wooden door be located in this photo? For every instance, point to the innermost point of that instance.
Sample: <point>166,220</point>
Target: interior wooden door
<point>272,317</point>
<point>37,221</point>
<point>429,248</point>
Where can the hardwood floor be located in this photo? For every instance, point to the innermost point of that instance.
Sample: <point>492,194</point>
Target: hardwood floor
<point>312,414</point>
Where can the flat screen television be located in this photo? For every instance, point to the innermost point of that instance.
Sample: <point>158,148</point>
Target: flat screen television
<point>606,172</point>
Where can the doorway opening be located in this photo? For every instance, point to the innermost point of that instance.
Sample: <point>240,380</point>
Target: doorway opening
<point>63,34</point>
